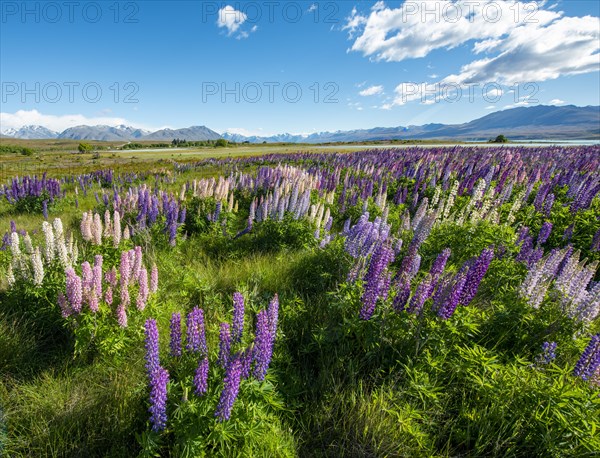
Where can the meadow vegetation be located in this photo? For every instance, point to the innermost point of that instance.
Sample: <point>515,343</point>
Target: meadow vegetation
<point>415,302</point>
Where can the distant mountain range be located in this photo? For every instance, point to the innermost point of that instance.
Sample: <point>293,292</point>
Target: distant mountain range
<point>523,123</point>
<point>113,133</point>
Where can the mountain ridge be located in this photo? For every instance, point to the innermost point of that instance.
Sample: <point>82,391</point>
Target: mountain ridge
<point>520,123</point>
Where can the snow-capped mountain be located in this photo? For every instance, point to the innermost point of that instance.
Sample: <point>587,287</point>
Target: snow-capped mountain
<point>103,133</point>
<point>30,133</point>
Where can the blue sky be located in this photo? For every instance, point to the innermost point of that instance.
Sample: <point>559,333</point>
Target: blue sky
<point>163,64</point>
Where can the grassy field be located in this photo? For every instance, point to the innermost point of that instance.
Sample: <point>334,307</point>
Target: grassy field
<point>354,370</point>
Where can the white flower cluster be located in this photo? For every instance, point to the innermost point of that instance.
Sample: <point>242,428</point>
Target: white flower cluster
<point>93,231</point>
<point>31,263</point>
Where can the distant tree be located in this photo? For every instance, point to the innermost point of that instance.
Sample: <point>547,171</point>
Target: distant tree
<point>221,142</point>
<point>85,148</point>
<point>500,139</point>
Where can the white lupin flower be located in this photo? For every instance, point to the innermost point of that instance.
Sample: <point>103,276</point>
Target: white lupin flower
<point>86,226</point>
<point>49,235</point>
<point>126,233</point>
<point>107,224</point>
<point>28,244</point>
<point>116,229</point>
<point>38,268</point>
<point>10,276</point>
<point>62,253</point>
<point>450,200</point>
<point>58,227</point>
<point>97,230</point>
<point>14,245</point>
<point>516,206</point>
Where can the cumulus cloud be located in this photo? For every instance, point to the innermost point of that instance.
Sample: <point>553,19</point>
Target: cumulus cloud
<point>557,102</point>
<point>373,90</point>
<point>517,43</point>
<point>57,123</point>
<point>231,19</point>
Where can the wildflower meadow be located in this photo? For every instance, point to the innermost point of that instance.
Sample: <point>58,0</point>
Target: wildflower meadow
<point>425,301</point>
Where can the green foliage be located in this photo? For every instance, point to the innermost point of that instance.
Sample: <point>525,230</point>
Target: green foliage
<point>499,139</point>
<point>85,148</point>
<point>14,149</point>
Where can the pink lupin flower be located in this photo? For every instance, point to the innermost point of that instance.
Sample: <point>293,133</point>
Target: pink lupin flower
<point>154,279</point>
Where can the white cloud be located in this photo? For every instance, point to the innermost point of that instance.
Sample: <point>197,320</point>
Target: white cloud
<point>557,102</point>
<point>230,18</point>
<point>58,123</point>
<point>417,28</point>
<point>372,90</point>
<point>354,22</point>
<point>521,46</point>
<point>568,46</point>
<point>522,103</point>
<point>312,7</point>
<point>490,107</point>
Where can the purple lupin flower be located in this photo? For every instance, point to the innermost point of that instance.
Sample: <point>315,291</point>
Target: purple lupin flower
<point>45,209</point>
<point>402,294</point>
<point>246,357</point>
<point>122,316</point>
<point>74,290</point>
<point>238,317</point>
<point>152,359</point>
<point>196,335</point>
<point>374,286</point>
<point>176,334</point>
<point>231,387</point>
<point>125,268</point>
<point>446,310</point>
<point>548,354</point>
<point>97,273</point>
<point>111,277</point>
<point>201,377</point>
<point>544,233</point>
<point>422,293</point>
<point>263,346</point>
<point>65,308</point>
<point>438,265</point>
<point>143,289</point>
<point>137,262</point>
<point>87,277</point>
<point>475,275</point>
<point>590,359</point>
<point>523,232</point>
<point>159,379</point>
<point>108,295</point>
<point>125,299</point>
<point>526,250</point>
<point>224,344</point>
<point>93,301</point>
